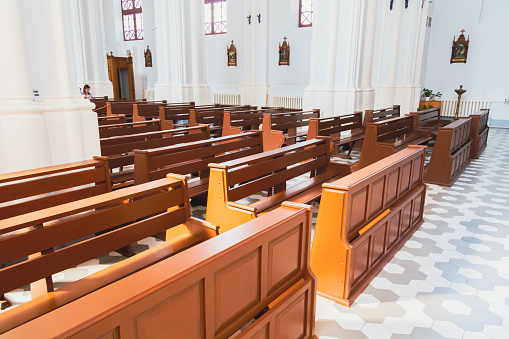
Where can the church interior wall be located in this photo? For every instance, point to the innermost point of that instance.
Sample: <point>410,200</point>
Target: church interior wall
<point>485,73</point>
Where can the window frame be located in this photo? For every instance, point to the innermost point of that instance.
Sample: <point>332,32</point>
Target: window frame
<point>212,22</point>
<point>300,16</point>
<point>132,11</point>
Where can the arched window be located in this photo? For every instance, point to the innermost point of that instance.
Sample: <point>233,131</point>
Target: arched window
<point>132,19</point>
<point>215,17</point>
<point>305,13</point>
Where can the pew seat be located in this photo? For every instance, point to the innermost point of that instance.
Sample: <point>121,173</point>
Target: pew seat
<point>363,221</point>
<point>252,282</point>
<point>238,179</point>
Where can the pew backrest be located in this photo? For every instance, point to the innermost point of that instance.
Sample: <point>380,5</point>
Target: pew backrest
<point>112,119</point>
<point>147,111</point>
<point>112,130</point>
<point>32,190</point>
<point>335,125</point>
<point>382,114</point>
<point>291,120</point>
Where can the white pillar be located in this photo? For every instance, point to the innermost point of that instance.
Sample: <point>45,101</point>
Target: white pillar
<point>255,88</point>
<point>342,56</point>
<point>71,124</point>
<point>180,54</point>
<point>92,47</point>
<point>23,137</point>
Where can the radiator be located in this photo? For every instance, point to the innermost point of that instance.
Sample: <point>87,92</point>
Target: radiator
<point>148,94</point>
<point>287,102</point>
<point>467,107</point>
<point>226,98</point>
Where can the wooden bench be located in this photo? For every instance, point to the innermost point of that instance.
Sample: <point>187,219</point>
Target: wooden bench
<point>112,119</point>
<point>117,151</point>
<point>235,122</point>
<point>429,121</point>
<point>363,221</point>
<point>479,132</point>
<point>451,153</point>
<point>287,125</point>
<point>177,116</point>
<point>124,107</point>
<point>108,131</point>
<point>147,111</point>
<point>123,217</point>
<point>387,137</point>
<point>237,179</point>
<point>194,157</point>
<point>254,282</point>
<point>334,127</point>
<point>100,105</point>
<point>212,116</point>
<point>382,114</point>
<point>37,189</point>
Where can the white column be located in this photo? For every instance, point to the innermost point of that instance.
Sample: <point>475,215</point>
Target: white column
<point>342,56</point>
<point>71,123</point>
<point>180,53</point>
<point>23,137</point>
<point>91,37</point>
<point>255,88</point>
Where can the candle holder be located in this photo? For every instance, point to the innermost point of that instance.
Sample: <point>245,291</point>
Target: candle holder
<point>460,92</point>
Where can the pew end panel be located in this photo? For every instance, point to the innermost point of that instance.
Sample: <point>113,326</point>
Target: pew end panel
<point>272,139</point>
<point>451,153</point>
<point>363,220</point>
<point>479,132</point>
<point>196,294</point>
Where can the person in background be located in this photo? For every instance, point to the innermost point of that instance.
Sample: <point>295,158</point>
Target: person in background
<point>86,91</point>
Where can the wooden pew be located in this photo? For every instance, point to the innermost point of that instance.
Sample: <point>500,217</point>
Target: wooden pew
<point>194,157</point>
<point>112,119</point>
<point>382,114</point>
<point>387,137</point>
<point>177,116</point>
<point>123,217</point>
<point>363,221</point>
<point>287,126</point>
<point>37,189</point>
<point>334,127</point>
<point>117,151</point>
<point>212,116</point>
<point>479,132</point>
<point>124,107</point>
<point>237,179</point>
<point>108,131</point>
<point>147,111</point>
<point>429,121</point>
<point>235,122</point>
<point>100,105</point>
<point>196,293</point>
<point>451,153</point>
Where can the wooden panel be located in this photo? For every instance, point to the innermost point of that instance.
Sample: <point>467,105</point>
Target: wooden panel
<point>237,288</point>
<point>284,258</point>
<point>392,185</point>
<point>378,242</point>
<point>357,213</point>
<point>393,232</point>
<point>180,316</point>
<point>290,323</point>
<point>377,194</point>
<point>113,334</point>
<point>406,220</point>
<point>406,172</point>
<point>359,260</point>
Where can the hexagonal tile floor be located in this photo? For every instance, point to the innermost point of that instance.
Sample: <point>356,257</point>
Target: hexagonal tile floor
<point>450,280</point>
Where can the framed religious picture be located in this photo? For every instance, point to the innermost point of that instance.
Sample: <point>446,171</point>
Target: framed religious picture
<point>284,53</point>
<point>460,49</point>
<point>232,55</point>
<point>148,58</point>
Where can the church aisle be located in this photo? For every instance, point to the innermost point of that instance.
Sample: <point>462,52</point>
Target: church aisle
<point>451,279</point>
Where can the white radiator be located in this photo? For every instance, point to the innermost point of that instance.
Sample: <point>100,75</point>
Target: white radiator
<point>148,94</point>
<point>226,98</point>
<point>287,102</point>
<point>467,107</point>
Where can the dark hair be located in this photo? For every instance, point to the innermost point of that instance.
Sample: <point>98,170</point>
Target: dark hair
<point>85,87</point>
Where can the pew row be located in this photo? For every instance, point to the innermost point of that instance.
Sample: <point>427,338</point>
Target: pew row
<point>336,128</point>
<point>238,179</point>
<point>479,132</point>
<point>117,151</point>
<point>212,116</point>
<point>124,107</point>
<point>363,221</point>
<point>428,121</point>
<point>194,157</point>
<point>288,126</point>
<point>387,137</point>
<point>382,114</point>
<point>451,153</point>
<point>252,282</point>
<point>147,111</point>
<point>118,129</point>
<point>235,122</point>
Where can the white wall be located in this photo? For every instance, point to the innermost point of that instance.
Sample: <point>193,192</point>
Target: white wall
<point>486,73</point>
<point>144,77</point>
<point>283,20</point>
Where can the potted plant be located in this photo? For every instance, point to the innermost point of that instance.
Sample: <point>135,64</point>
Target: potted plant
<point>429,95</point>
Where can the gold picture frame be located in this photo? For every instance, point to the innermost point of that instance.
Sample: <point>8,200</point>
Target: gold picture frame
<point>284,53</point>
<point>231,53</point>
<point>460,49</point>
